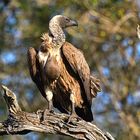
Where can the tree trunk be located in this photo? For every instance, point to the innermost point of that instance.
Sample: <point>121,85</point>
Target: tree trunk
<point>20,122</point>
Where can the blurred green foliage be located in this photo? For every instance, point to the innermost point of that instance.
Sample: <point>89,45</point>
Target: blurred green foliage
<point>107,36</point>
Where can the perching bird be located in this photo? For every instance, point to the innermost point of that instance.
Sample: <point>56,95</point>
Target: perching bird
<point>61,72</point>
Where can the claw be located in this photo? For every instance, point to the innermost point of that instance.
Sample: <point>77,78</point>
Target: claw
<point>47,111</point>
<point>73,117</point>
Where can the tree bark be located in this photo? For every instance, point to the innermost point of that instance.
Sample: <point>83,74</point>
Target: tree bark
<point>21,122</point>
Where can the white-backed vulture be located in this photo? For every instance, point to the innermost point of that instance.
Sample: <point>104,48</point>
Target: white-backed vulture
<point>61,72</point>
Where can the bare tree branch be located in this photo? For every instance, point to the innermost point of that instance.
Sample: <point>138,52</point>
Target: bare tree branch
<point>138,31</point>
<point>20,122</point>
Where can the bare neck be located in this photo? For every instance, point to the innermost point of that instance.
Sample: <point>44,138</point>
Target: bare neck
<point>58,36</point>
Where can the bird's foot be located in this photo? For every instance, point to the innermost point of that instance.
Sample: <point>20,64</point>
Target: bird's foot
<point>47,111</point>
<point>73,117</point>
<point>51,111</point>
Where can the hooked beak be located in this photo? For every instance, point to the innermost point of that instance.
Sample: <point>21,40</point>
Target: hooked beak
<point>72,23</point>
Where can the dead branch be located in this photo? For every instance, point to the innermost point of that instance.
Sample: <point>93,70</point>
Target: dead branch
<point>138,31</point>
<point>20,122</point>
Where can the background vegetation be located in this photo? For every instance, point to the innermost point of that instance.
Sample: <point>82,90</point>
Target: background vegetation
<point>107,36</point>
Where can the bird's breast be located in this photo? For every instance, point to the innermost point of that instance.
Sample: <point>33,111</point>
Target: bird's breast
<point>53,68</point>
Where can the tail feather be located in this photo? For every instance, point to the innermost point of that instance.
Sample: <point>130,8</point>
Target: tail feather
<point>85,114</point>
<point>94,86</point>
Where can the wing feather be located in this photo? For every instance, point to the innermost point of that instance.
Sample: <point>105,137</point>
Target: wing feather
<point>34,68</point>
<point>79,65</point>
<point>94,85</point>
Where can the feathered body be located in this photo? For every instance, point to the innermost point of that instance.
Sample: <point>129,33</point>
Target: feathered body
<point>61,73</point>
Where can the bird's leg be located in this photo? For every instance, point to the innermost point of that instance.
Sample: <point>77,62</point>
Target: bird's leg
<point>50,106</point>
<point>49,109</point>
<point>49,96</point>
<point>72,104</point>
<point>73,113</point>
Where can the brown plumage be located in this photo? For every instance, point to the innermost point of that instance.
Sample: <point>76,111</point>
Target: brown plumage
<point>61,72</point>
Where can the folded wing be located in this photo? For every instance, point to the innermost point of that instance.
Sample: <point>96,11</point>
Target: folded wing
<point>34,69</point>
<point>79,65</point>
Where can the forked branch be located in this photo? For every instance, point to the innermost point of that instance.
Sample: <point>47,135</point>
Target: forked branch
<point>20,122</point>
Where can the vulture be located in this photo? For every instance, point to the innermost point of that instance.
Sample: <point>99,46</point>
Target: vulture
<point>61,72</point>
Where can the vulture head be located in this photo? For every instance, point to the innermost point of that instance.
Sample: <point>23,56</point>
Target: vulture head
<point>56,26</point>
<point>62,21</point>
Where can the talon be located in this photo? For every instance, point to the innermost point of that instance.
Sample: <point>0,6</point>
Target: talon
<point>47,111</point>
<point>51,111</point>
<point>74,117</point>
<point>73,113</point>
